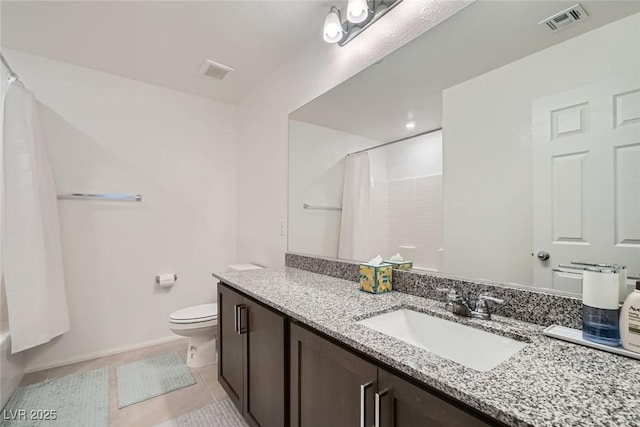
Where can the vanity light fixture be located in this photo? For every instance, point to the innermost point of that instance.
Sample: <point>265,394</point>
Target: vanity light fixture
<point>360,15</point>
<point>357,11</point>
<point>333,31</point>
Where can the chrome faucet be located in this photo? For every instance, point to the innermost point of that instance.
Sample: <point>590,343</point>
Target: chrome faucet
<point>482,310</point>
<point>457,304</point>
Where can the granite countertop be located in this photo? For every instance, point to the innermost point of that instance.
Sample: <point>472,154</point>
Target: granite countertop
<point>548,383</point>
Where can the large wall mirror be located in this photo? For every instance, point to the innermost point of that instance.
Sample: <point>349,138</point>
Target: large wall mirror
<point>490,147</point>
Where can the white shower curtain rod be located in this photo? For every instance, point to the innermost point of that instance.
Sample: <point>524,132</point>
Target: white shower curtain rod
<point>393,142</point>
<point>12,74</point>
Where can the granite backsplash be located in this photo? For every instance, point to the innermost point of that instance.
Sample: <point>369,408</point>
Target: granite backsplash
<point>525,304</point>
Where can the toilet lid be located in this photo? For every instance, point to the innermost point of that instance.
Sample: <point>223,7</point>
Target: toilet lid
<point>196,313</point>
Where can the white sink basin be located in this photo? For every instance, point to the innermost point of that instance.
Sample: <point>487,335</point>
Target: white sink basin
<point>471,347</point>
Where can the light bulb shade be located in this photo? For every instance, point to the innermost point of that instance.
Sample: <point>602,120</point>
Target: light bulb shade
<point>333,30</point>
<point>357,11</point>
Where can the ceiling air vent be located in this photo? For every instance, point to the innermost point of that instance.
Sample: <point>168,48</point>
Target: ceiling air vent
<point>214,69</point>
<point>566,18</point>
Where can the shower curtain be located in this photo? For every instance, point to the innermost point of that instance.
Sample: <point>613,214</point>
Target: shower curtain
<point>31,250</point>
<point>356,199</point>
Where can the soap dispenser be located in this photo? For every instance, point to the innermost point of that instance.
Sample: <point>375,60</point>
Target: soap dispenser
<point>600,309</point>
<point>630,321</point>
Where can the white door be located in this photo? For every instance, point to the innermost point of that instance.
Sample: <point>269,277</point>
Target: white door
<point>586,175</point>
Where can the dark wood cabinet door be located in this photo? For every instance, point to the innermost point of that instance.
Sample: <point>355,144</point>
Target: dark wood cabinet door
<point>403,404</point>
<point>326,383</point>
<point>265,366</point>
<point>230,345</point>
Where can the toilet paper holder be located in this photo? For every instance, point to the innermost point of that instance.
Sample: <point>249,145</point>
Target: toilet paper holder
<point>175,277</point>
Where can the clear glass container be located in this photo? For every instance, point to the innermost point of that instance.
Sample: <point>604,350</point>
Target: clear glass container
<point>601,325</point>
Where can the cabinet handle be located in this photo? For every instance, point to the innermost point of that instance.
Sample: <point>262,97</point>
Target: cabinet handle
<point>363,402</point>
<point>378,404</point>
<point>242,326</point>
<point>236,321</point>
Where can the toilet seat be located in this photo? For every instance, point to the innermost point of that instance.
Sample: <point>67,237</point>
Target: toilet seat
<point>195,314</point>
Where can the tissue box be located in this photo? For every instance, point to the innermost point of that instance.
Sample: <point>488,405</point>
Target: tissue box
<point>401,265</point>
<point>376,279</point>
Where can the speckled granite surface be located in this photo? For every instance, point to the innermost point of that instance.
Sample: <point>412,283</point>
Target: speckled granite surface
<point>548,383</point>
<point>533,306</point>
<point>340,268</point>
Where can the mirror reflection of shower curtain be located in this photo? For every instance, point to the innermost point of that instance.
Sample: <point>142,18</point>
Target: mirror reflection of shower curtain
<point>31,248</point>
<point>355,222</point>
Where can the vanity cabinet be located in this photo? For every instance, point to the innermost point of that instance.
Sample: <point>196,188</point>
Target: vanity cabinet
<point>252,358</point>
<point>281,373</point>
<point>331,386</point>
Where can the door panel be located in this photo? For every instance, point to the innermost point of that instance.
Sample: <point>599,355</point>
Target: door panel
<point>230,345</point>
<point>265,366</point>
<point>627,182</point>
<point>568,198</point>
<point>586,165</point>
<point>326,383</point>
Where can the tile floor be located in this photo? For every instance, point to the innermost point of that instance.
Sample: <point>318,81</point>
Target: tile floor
<point>153,411</point>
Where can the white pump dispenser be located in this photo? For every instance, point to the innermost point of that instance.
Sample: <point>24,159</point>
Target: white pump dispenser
<point>630,321</point>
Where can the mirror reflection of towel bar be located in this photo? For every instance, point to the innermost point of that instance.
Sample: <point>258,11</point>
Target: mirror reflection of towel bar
<point>559,270</point>
<point>326,208</point>
<point>115,197</point>
<point>579,270</point>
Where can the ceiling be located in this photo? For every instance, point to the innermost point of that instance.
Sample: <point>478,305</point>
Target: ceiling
<point>165,42</point>
<point>408,84</point>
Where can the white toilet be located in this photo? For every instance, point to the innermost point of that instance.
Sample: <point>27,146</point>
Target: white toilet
<point>200,324</point>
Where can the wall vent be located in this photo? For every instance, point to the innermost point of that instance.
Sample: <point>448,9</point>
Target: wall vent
<point>566,18</point>
<point>215,70</point>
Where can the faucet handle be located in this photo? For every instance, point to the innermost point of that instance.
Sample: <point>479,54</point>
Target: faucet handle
<point>482,310</point>
<point>485,297</point>
<point>452,294</point>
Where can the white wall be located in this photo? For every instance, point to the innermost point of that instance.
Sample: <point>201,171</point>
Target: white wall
<point>408,201</point>
<point>316,175</point>
<point>111,134</point>
<point>413,158</point>
<point>487,148</point>
<point>262,143</point>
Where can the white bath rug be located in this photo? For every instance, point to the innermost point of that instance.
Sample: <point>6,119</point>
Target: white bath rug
<point>148,378</point>
<point>218,414</point>
<point>73,401</point>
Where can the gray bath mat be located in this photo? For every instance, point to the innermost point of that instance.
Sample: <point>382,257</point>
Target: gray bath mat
<point>153,377</point>
<point>73,401</point>
<point>218,414</point>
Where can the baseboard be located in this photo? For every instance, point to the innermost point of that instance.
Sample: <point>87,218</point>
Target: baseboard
<point>102,353</point>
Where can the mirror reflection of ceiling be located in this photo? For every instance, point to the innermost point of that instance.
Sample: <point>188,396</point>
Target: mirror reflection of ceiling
<point>409,82</point>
